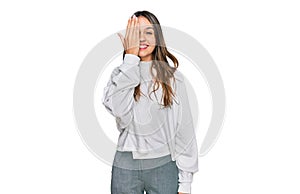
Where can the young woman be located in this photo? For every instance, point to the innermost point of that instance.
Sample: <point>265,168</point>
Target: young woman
<point>157,150</point>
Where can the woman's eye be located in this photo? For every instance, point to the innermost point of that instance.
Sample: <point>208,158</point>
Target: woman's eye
<point>149,33</point>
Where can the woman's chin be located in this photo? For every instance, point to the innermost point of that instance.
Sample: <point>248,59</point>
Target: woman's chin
<point>143,55</point>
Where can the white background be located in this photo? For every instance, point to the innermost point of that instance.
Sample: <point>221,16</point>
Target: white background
<point>254,43</point>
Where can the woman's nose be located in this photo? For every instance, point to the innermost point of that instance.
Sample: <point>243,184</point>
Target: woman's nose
<point>142,37</point>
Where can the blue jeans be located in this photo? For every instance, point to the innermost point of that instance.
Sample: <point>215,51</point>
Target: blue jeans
<point>134,176</point>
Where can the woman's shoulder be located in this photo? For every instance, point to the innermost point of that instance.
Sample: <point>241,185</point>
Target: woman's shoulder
<point>178,76</point>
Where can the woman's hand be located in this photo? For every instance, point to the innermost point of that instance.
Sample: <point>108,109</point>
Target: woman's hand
<point>131,42</point>
<point>182,193</point>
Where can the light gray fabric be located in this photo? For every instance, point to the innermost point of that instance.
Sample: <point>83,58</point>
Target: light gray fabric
<point>147,129</point>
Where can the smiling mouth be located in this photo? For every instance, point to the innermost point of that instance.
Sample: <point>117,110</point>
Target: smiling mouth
<point>143,46</point>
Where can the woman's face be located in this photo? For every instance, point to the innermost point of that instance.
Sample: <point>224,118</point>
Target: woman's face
<point>147,39</point>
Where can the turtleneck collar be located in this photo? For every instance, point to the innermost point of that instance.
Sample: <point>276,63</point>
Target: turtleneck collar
<point>145,70</point>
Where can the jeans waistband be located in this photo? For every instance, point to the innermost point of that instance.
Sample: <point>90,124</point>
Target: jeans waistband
<point>125,160</point>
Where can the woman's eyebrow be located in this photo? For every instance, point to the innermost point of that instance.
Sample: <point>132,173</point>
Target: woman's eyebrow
<point>149,28</point>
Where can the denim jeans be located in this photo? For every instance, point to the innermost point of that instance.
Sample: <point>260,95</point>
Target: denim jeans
<point>134,176</point>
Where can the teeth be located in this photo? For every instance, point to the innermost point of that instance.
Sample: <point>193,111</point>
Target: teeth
<point>143,46</point>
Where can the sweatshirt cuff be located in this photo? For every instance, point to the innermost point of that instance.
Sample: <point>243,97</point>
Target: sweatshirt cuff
<point>130,60</point>
<point>184,187</point>
<point>185,176</point>
<point>185,180</point>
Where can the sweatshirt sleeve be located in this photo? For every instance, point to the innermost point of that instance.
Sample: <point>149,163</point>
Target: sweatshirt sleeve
<point>185,142</point>
<point>118,96</point>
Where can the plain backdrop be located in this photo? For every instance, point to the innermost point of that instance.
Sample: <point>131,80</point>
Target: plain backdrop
<point>255,45</point>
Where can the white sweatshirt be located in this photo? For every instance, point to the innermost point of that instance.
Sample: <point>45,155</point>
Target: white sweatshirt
<point>146,128</point>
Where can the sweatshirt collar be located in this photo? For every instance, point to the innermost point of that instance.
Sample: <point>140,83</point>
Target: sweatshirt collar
<point>145,70</point>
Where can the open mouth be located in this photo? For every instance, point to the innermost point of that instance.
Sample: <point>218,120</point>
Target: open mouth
<point>143,46</point>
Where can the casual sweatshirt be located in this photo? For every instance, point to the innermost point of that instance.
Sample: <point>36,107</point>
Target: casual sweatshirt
<point>147,128</point>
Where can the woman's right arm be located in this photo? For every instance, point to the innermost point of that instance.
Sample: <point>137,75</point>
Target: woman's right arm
<point>118,96</point>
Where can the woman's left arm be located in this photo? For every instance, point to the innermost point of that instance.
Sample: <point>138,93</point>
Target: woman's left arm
<point>185,142</point>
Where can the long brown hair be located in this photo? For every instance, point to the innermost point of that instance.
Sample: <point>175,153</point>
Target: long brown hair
<point>159,57</point>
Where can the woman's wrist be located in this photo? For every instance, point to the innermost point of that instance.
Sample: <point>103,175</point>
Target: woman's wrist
<point>133,52</point>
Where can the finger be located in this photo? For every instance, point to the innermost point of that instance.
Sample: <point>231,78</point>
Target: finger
<point>133,26</point>
<point>135,32</point>
<point>127,27</point>
<point>132,23</point>
<point>130,33</point>
<point>137,28</point>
